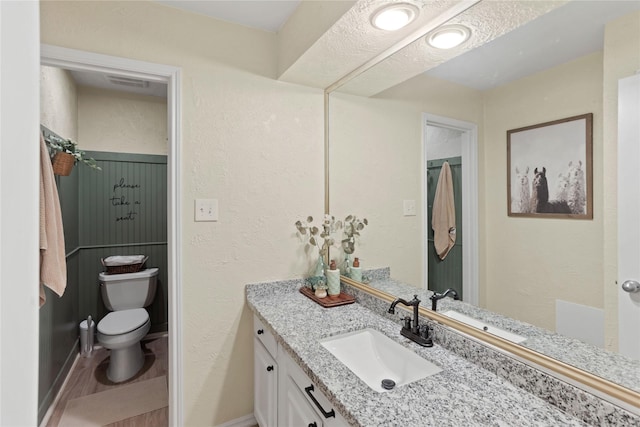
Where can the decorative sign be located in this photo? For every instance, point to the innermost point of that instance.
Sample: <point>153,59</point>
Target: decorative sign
<point>124,199</point>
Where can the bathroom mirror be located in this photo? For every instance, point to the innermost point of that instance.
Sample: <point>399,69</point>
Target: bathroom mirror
<point>533,270</point>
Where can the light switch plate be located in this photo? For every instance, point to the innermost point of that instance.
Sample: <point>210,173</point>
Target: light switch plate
<point>409,208</point>
<point>206,210</point>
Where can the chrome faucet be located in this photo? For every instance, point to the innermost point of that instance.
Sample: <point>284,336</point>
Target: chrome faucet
<point>436,296</point>
<point>416,333</point>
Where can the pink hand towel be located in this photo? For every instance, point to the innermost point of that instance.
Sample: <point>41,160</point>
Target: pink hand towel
<point>443,220</point>
<point>53,264</point>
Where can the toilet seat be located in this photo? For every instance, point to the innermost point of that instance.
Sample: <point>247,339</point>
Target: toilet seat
<point>123,321</point>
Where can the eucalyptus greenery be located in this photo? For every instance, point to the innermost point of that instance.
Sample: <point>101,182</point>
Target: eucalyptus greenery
<point>70,147</point>
<point>352,228</point>
<point>313,234</point>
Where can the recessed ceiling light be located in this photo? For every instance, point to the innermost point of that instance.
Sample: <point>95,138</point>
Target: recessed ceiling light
<point>449,36</point>
<point>394,17</point>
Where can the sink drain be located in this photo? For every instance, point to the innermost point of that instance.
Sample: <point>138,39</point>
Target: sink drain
<point>388,384</point>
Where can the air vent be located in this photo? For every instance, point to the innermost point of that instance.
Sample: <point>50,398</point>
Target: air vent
<point>127,81</point>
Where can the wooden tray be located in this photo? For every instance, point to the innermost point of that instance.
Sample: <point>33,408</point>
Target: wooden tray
<point>329,300</point>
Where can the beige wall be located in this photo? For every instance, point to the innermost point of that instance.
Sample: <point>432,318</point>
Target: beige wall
<point>58,102</point>
<point>532,262</point>
<point>375,161</point>
<point>253,143</point>
<point>121,122</point>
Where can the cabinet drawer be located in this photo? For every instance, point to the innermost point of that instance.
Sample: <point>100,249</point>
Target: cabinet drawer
<point>265,337</point>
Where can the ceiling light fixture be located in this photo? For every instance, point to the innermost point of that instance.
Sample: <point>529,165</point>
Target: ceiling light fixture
<point>449,36</point>
<point>394,17</point>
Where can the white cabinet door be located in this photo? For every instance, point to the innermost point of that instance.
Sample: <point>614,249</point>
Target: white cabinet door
<point>296,410</point>
<point>265,390</point>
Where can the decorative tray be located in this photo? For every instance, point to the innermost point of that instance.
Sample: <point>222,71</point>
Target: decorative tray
<point>329,300</point>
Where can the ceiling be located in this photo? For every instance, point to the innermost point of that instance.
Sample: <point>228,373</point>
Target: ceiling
<point>513,39</point>
<point>267,15</point>
<point>546,35</point>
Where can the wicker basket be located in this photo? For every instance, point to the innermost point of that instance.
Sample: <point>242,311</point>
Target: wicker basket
<point>63,163</point>
<point>122,269</point>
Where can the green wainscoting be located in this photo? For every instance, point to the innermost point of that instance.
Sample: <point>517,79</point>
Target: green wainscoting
<point>445,273</point>
<point>121,210</point>
<point>58,336</point>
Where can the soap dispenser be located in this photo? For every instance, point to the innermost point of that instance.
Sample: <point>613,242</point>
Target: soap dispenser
<point>333,279</point>
<point>356,270</point>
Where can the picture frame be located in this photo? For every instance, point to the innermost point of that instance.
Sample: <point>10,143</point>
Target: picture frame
<point>550,169</point>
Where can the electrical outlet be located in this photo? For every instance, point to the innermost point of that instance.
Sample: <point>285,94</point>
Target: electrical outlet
<point>206,210</point>
<point>409,208</point>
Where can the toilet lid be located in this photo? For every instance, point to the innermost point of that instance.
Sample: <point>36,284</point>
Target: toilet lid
<point>123,321</point>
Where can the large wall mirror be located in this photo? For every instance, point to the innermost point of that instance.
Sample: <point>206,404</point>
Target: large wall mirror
<point>392,127</point>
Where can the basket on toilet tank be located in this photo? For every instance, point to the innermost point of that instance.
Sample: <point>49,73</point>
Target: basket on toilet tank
<point>128,290</point>
<point>121,264</point>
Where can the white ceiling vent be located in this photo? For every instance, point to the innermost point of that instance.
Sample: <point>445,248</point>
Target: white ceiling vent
<point>127,81</point>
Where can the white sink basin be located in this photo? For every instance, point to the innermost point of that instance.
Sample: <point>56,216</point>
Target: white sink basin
<point>510,336</point>
<point>374,357</point>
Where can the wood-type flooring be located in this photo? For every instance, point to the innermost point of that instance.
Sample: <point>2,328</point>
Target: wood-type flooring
<point>88,376</point>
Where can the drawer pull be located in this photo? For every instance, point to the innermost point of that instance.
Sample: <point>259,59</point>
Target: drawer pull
<point>313,424</point>
<point>326,414</point>
<point>260,331</point>
<point>269,368</point>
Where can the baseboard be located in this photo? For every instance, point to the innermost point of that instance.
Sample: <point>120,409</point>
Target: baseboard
<point>246,421</point>
<point>53,395</point>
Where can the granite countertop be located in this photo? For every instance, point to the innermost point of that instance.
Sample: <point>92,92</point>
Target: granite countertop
<point>462,394</point>
<point>611,366</point>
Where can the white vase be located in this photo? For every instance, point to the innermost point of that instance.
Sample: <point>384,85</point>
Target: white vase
<point>356,274</point>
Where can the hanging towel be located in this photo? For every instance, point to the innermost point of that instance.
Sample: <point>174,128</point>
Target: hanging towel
<point>53,265</point>
<point>443,220</point>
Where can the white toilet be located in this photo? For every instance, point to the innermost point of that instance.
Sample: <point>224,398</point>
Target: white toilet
<point>128,322</point>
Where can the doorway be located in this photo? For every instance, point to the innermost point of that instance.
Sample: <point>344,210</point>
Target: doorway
<point>75,60</point>
<point>468,210</point>
<point>445,273</point>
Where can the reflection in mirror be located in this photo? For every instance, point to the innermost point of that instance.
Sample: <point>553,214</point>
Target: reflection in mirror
<point>553,275</point>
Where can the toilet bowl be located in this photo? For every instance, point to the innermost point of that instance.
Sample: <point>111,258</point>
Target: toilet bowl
<point>121,330</point>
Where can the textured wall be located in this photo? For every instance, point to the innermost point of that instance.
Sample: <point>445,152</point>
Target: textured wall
<point>58,102</point>
<point>121,122</point>
<point>531,262</point>
<point>253,143</point>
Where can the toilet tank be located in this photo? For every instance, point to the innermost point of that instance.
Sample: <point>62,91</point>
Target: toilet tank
<point>128,290</point>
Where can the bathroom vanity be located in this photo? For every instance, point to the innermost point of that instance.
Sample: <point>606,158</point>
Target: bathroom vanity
<point>293,328</point>
<point>283,393</point>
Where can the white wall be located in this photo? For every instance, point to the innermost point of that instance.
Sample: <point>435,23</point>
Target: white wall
<point>621,59</point>
<point>253,143</point>
<point>19,183</point>
<point>121,122</point>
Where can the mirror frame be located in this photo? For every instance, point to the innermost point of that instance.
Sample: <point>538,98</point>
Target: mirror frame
<point>589,382</point>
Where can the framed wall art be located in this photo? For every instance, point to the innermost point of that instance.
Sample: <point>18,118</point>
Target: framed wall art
<point>550,169</point>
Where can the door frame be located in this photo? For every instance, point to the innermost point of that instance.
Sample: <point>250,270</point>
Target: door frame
<point>469,169</point>
<point>72,59</point>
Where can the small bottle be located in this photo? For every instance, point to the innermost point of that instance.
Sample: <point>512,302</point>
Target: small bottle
<point>356,271</point>
<point>333,279</point>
